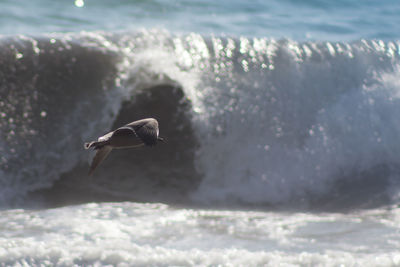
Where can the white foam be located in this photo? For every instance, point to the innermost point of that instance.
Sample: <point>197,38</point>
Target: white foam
<point>126,234</point>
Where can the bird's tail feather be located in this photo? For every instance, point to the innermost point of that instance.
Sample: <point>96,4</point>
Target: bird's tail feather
<point>89,145</point>
<point>95,144</point>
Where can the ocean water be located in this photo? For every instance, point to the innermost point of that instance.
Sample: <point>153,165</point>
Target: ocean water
<point>281,120</point>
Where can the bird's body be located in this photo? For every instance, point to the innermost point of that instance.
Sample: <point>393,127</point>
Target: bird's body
<point>134,134</point>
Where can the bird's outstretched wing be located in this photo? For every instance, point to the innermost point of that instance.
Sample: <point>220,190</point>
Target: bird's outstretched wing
<point>125,137</point>
<point>101,154</point>
<point>124,130</point>
<point>147,131</point>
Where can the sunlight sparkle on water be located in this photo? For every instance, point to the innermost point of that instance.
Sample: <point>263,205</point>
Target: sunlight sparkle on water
<point>79,3</point>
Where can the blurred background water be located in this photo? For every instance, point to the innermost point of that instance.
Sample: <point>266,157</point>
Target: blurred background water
<point>298,20</point>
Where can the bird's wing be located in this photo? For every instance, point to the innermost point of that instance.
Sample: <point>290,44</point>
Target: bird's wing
<point>148,132</point>
<point>125,137</point>
<point>125,130</point>
<point>101,154</point>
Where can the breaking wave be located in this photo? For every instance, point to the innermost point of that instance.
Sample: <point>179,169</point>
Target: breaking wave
<point>248,121</point>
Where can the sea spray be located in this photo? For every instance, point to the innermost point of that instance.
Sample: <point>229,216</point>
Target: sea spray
<point>267,122</point>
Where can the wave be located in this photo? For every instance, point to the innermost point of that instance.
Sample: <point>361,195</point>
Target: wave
<point>249,121</point>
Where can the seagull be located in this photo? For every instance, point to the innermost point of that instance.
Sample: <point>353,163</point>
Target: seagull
<point>134,134</point>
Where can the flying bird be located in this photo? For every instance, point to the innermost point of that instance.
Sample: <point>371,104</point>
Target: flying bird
<point>134,134</point>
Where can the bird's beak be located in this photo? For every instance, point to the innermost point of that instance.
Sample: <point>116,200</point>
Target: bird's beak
<point>161,139</point>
